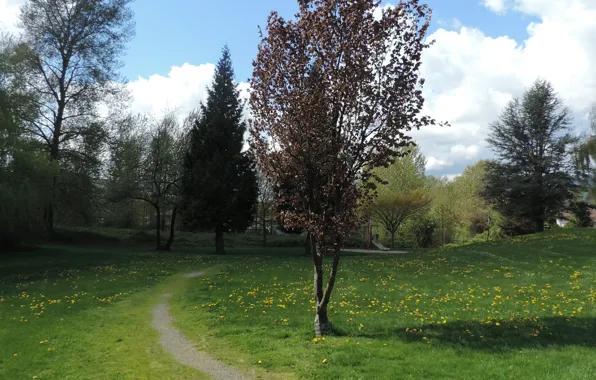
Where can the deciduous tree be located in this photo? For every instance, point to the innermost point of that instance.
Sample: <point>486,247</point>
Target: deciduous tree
<point>266,200</point>
<point>334,92</point>
<point>147,166</point>
<point>392,210</point>
<point>72,50</point>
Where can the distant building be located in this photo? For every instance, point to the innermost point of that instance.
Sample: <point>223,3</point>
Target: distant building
<point>564,217</point>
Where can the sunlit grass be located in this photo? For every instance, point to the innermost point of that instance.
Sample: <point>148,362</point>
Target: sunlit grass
<point>517,309</point>
<point>520,309</point>
<point>69,313</point>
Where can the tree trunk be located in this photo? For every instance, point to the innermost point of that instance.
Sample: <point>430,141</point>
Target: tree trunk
<point>158,227</point>
<point>393,240</point>
<point>219,241</point>
<point>172,229</point>
<point>55,156</point>
<point>322,324</point>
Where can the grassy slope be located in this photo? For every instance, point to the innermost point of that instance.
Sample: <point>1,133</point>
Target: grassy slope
<point>524,309</point>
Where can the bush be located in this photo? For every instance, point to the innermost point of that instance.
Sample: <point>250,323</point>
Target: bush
<point>423,230</point>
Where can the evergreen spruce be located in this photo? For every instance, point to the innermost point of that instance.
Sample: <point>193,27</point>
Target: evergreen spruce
<point>532,178</point>
<point>220,185</point>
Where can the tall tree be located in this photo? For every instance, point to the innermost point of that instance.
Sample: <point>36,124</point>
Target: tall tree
<point>220,185</point>
<point>72,50</point>
<point>334,92</point>
<point>531,180</point>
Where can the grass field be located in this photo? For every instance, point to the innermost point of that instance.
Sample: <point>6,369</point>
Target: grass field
<point>520,309</point>
<point>73,313</point>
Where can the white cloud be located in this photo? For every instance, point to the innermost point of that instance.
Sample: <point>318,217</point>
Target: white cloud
<point>454,23</point>
<point>497,6</point>
<point>470,77</point>
<point>9,12</point>
<point>467,152</point>
<point>181,91</point>
<point>433,163</point>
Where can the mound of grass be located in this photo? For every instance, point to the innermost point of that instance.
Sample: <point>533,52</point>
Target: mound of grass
<point>523,308</point>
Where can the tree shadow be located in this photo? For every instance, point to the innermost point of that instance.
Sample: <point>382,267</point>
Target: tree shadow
<point>508,336</point>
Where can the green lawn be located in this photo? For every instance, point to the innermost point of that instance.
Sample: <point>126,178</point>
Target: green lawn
<point>72,313</point>
<point>520,310</point>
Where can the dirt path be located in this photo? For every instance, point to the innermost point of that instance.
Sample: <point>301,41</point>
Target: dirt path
<point>173,341</point>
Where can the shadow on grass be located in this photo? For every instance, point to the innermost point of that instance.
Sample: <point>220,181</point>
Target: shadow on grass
<point>508,336</point>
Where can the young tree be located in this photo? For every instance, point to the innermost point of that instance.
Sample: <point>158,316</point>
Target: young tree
<point>72,50</point>
<point>531,180</point>
<point>393,210</point>
<point>334,93</point>
<point>266,200</point>
<point>220,185</point>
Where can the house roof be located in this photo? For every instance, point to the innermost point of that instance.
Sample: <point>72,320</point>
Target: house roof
<point>568,214</point>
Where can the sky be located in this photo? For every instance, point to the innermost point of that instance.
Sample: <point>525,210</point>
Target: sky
<point>485,53</point>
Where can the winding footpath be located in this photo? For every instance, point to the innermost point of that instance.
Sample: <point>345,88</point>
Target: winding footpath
<point>174,342</point>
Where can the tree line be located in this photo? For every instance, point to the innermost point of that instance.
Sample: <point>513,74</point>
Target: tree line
<point>541,172</point>
<point>72,155</point>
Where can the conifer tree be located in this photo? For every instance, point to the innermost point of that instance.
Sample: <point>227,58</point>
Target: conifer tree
<point>220,185</point>
<point>532,178</point>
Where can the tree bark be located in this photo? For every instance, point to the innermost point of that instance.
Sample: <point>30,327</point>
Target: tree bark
<point>322,324</point>
<point>393,240</point>
<point>172,229</point>
<point>219,241</point>
<point>55,156</point>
